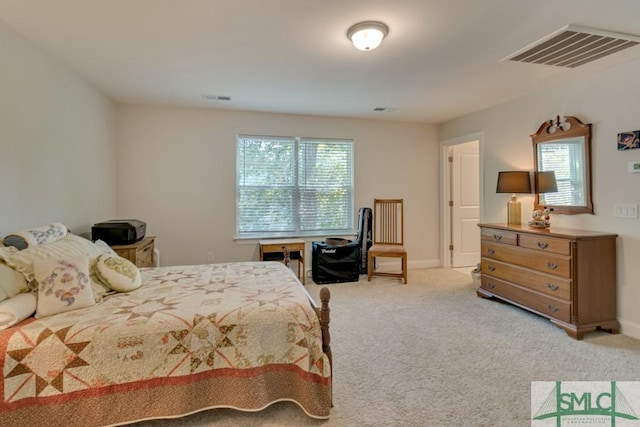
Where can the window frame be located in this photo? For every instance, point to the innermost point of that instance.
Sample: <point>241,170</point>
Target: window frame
<point>297,189</point>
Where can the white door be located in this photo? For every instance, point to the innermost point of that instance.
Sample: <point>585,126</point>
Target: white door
<point>465,206</point>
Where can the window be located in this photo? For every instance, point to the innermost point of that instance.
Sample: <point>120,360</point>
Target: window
<point>565,159</point>
<point>293,186</point>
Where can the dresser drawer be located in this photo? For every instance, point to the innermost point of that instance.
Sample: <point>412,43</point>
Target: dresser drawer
<point>557,265</point>
<point>548,306</point>
<point>551,285</point>
<point>502,236</point>
<point>547,244</point>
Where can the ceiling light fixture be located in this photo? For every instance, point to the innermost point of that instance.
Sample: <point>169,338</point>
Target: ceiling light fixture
<point>367,35</point>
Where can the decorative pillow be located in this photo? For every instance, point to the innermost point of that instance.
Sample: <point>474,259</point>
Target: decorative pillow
<point>118,273</point>
<point>104,247</point>
<point>63,285</point>
<point>16,309</point>
<point>12,282</point>
<point>36,236</point>
<point>70,245</point>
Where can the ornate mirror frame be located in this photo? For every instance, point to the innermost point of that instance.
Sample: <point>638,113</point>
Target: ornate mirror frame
<point>573,132</point>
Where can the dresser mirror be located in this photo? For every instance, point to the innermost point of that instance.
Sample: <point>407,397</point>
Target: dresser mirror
<point>564,147</point>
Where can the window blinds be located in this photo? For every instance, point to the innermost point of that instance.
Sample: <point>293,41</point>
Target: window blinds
<point>294,186</point>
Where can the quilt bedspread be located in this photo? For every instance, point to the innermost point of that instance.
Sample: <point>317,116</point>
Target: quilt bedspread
<point>239,335</point>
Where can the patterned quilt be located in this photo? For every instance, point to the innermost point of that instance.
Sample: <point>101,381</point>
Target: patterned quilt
<point>238,335</point>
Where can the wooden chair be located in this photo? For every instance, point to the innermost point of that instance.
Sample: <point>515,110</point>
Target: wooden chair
<point>388,237</point>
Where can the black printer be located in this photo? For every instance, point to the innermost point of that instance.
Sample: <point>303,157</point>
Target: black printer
<point>119,231</point>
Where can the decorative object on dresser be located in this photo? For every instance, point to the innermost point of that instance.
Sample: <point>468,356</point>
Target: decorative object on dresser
<point>140,253</point>
<point>513,182</point>
<point>565,275</point>
<point>544,182</point>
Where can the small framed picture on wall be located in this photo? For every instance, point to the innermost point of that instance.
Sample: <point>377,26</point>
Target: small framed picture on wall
<point>629,140</point>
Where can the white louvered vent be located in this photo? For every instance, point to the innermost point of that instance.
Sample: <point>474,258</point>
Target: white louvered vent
<point>573,46</point>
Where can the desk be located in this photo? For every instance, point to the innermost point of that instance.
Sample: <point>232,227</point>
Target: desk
<point>284,247</point>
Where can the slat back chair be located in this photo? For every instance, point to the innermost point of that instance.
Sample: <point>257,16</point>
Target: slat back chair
<point>388,237</point>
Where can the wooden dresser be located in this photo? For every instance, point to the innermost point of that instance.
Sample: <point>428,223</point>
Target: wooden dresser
<point>140,253</point>
<point>568,276</point>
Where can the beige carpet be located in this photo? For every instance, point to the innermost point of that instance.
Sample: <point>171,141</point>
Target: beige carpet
<point>432,353</point>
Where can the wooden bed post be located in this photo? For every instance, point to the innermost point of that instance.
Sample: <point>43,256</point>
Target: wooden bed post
<point>325,296</point>
<point>323,316</point>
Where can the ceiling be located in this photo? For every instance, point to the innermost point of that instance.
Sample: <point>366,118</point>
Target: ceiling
<point>441,59</point>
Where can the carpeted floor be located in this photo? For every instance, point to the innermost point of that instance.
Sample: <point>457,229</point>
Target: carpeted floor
<point>432,353</point>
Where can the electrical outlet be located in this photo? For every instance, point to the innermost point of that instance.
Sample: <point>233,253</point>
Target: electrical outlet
<point>625,211</point>
<point>210,256</point>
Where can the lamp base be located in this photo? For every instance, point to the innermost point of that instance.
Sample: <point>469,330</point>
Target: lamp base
<point>514,212</point>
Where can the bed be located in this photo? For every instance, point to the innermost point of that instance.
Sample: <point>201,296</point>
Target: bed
<point>235,335</point>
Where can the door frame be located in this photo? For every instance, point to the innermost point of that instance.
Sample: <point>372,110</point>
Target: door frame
<point>445,189</point>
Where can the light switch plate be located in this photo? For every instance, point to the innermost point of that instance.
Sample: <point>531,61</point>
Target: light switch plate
<point>625,211</point>
<point>634,167</point>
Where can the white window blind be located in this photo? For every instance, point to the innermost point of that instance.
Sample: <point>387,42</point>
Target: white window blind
<point>294,186</point>
<point>565,160</point>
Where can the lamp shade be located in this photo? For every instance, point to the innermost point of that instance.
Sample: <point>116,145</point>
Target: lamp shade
<point>545,182</point>
<point>367,35</point>
<point>513,182</point>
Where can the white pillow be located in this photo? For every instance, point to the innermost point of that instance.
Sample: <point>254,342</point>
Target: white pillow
<point>12,282</point>
<point>36,236</point>
<point>16,309</point>
<point>71,245</point>
<point>118,273</point>
<point>104,247</point>
<point>63,285</point>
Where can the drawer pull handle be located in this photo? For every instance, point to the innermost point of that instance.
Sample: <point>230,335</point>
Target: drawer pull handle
<point>553,287</point>
<point>491,251</point>
<point>543,245</point>
<point>497,237</point>
<point>491,268</point>
<point>491,285</point>
<point>552,265</point>
<point>552,308</point>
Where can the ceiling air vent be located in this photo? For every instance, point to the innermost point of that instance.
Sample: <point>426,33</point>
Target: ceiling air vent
<point>216,97</point>
<point>573,46</point>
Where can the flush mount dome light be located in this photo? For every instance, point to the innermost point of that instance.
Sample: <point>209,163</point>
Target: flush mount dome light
<point>367,35</point>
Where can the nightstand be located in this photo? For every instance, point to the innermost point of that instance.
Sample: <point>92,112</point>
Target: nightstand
<point>140,253</point>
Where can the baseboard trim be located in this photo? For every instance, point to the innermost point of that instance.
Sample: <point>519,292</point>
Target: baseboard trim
<point>630,328</point>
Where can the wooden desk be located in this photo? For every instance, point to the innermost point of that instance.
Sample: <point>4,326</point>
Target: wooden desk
<point>284,247</point>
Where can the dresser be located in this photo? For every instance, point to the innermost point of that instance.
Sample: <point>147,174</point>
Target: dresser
<point>565,275</point>
<point>140,253</point>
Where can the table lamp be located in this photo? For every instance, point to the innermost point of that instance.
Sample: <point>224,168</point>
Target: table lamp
<point>545,182</point>
<point>513,182</point>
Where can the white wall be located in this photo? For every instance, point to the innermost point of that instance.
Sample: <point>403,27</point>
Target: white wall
<point>176,171</point>
<point>608,100</point>
<point>57,143</point>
